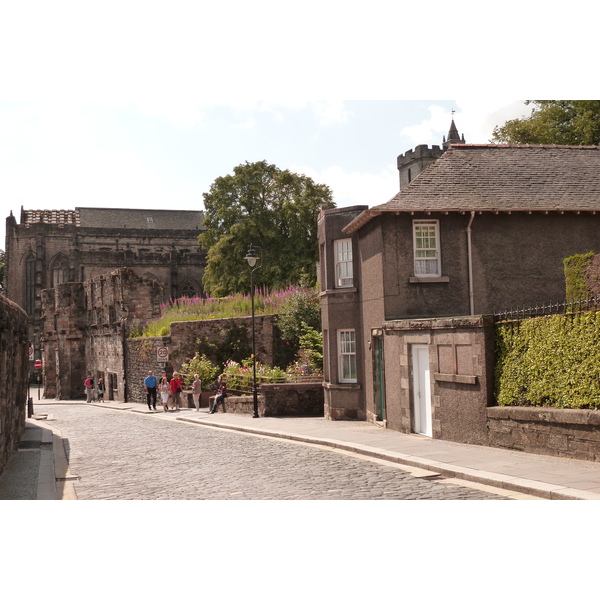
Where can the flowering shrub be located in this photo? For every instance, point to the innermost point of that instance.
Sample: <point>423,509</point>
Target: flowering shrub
<point>201,308</point>
<point>240,376</point>
<point>199,364</point>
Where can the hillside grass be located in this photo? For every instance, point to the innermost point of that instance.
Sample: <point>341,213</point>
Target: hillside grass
<point>203,308</point>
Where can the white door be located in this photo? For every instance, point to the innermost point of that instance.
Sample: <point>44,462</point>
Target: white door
<point>421,390</point>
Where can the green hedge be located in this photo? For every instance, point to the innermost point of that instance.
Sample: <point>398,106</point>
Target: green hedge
<point>549,361</point>
<point>575,268</point>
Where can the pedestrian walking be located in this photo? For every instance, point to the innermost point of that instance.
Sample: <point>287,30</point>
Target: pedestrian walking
<point>196,390</point>
<point>221,394</point>
<point>150,384</point>
<point>165,390</point>
<point>89,388</point>
<point>175,384</point>
<point>100,389</point>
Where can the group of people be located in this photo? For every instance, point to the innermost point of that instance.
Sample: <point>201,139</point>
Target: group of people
<point>169,389</point>
<point>92,394</point>
<point>172,389</point>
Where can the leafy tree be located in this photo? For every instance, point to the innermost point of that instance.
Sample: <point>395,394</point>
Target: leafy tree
<point>301,310</point>
<point>570,122</point>
<point>274,210</point>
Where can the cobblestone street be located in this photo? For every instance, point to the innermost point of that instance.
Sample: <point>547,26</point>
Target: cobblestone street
<point>121,455</point>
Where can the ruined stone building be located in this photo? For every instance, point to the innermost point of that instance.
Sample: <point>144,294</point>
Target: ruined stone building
<point>50,247</point>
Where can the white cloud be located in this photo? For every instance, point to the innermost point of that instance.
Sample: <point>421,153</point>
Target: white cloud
<point>355,188</point>
<point>477,118</point>
<point>430,130</point>
<point>331,112</point>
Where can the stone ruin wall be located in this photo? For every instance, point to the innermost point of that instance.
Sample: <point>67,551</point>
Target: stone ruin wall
<point>14,346</point>
<point>84,327</point>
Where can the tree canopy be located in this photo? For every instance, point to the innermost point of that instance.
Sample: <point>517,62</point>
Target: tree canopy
<point>275,211</point>
<point>570,122</point>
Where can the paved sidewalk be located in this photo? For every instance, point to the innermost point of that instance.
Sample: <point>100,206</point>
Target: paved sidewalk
<point>541,476</point>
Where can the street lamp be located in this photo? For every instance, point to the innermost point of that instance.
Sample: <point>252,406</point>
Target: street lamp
<point>124,314</point>
<point>252,259</point>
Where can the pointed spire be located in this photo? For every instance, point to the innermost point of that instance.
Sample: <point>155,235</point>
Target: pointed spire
<point>453,135</point>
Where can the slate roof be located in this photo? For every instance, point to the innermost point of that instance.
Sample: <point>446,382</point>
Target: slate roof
<point>501,178</point>
<point>133,218</point>
<point>111,218</point>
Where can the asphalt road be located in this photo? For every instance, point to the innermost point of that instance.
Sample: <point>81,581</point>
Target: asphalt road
<point>121,455</point>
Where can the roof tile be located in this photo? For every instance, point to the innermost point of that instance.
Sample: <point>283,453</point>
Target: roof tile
<point>505,177</point>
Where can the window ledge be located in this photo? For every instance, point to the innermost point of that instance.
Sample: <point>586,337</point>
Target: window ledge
<point>428,279</point>
<point>468,379</point>
<point>348,290</point>
<point>341,386</point>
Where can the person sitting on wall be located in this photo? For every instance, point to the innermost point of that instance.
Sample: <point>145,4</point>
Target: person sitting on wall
<point>221,394</point>
<point>176,390</point>
<point>150,384</point>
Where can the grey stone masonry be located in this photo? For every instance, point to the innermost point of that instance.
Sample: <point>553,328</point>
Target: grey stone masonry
<point>569,433</point>
<point>13,377</point>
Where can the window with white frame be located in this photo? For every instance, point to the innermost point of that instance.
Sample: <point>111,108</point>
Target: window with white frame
<point>347,355</point>
<point>343,263</point>
<point>426,238</point>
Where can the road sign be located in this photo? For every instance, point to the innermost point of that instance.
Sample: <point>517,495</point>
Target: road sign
<point>37,364</point>
<point>162,353</point>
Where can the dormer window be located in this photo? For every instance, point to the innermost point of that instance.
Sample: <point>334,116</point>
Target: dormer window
<point>343,263</point>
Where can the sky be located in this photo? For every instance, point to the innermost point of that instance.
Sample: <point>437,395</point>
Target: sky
<point>143,105</point>
<point>62,155</point>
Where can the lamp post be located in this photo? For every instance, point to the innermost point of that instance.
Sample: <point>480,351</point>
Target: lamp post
<point>252,259</point>
<point>124,315</point>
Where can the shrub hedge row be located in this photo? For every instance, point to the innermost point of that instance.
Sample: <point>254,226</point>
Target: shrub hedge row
<point>549,361</point>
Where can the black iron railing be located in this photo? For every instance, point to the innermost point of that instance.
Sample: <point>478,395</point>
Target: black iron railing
<point>553,308</point>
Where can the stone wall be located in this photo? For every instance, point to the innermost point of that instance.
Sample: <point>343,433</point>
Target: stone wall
<point>14,345</point>
<point>293,399</point>
<point>211,335</point>
<point>142,357</point>
<point>569,433</point>
<point>279,400</point>
<point>183,343</point>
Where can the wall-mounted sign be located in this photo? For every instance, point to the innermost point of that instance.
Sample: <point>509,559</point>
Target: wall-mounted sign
<point>162,353</point>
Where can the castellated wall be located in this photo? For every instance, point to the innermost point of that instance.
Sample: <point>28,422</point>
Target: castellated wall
<point>413,162</point>
<point>14,345</point>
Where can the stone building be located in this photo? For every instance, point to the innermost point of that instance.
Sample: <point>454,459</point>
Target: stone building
<point>408,285</point>
<point>49,247</point>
